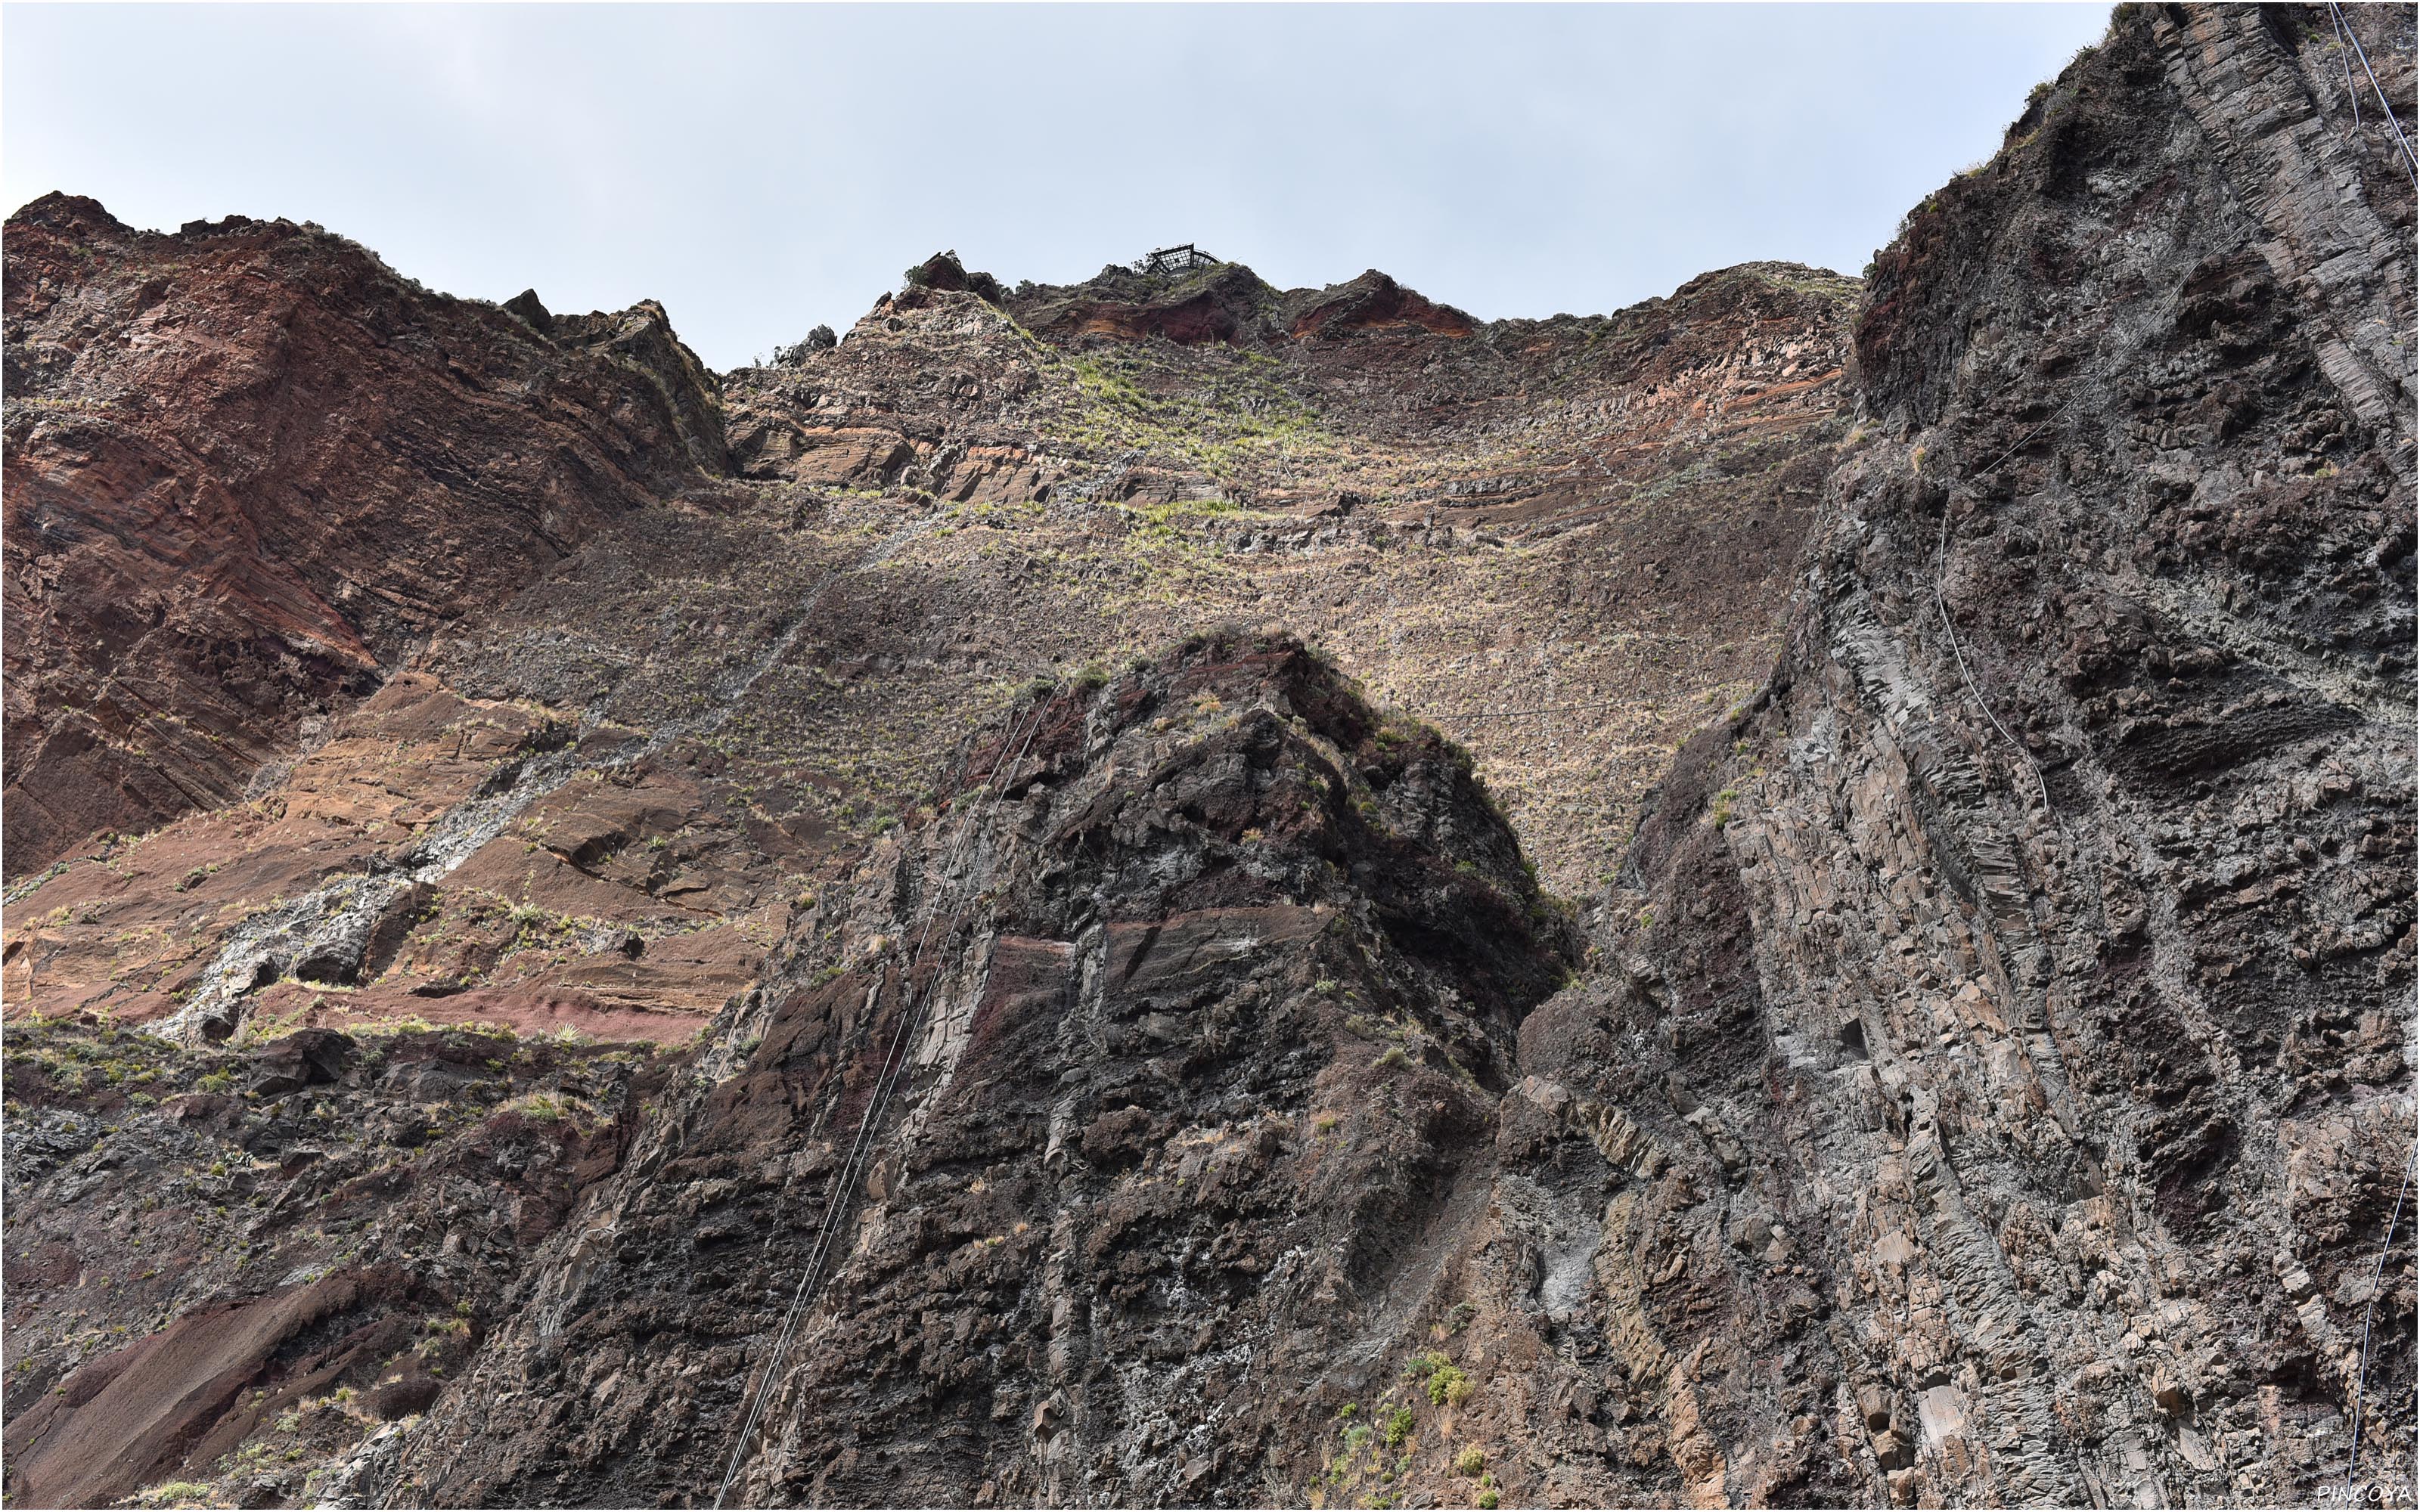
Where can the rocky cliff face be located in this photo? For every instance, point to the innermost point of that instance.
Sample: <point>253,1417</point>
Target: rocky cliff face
<point>598,803</point>
<point>2043,935</point>
<point>806,898</point>
<point>250,469</point>
<point>1199,1007</point>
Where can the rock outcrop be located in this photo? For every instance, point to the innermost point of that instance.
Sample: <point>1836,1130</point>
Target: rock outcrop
<point>250,471</point>
<point>1200,998</point>
<point>2044,933</point>
<point>598,803</point>
<point>873,960</point>
<point>294,1243</point>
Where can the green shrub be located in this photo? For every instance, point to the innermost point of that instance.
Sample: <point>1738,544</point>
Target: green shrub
<point>1449,1385</point>
<point>1399,1427</point>
<point>1471,1461</point>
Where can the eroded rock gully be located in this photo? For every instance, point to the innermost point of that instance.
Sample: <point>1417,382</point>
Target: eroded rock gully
<point>1977,1067</point>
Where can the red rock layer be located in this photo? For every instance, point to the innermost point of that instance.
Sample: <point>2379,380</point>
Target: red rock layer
<point>249,467</point>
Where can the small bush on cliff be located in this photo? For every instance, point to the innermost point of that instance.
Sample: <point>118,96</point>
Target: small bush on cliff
<point>1399,1427</point>
<point>1448,1386</point>
<point>1471,1461</point>
<point>1444,1379</point>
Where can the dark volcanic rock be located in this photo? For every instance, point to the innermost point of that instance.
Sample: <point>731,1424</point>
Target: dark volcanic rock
<point>1217,995</point>
<point>327,1228</point>
<point>2044,933</point>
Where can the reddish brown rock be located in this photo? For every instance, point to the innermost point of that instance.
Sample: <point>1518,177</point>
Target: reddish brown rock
<point>1375,301</point>
<point>250,468</point>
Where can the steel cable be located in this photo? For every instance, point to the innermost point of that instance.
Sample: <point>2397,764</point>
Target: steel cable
<point>2376,1275</point>
<point>2392,124</point>
<point>860,1152</point>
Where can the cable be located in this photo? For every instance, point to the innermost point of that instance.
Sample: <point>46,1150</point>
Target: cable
<point>862,1147</point>
<point>2393,124</point>
<point>2344,57</point>
<point>1949,632</point>
<point>1950,627</point>
<point>1523,714</point>
<point>2360,1382</point>
<point>844,1182</point>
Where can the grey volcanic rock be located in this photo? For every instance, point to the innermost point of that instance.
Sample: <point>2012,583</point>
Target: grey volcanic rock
<point>2046,933</point>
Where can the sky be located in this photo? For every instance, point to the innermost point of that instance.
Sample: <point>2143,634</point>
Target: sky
<point>761,168</point>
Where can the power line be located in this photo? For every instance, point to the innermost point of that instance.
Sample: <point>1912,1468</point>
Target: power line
<point>1950,627</point>
<point>844,1183</point>
<point>1523,714</point>
<point>2352,94</point>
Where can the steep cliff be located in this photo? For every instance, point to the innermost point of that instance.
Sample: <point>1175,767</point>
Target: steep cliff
<point>1206,995</point>
<point>2043,934</point>
<point>250,469</point>
<point>1564,541</point>
<point>861,980</point>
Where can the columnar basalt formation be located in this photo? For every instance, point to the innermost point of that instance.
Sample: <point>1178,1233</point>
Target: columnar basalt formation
<point>1798,895</point>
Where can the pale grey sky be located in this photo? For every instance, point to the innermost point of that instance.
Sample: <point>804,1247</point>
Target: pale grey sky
<point>760,168</point>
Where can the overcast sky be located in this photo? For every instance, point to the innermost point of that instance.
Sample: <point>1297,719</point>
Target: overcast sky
<point>761,168</point>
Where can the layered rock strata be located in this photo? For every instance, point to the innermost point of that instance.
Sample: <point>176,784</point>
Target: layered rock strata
<point>250,468</point>
<point>1977,1068</point>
